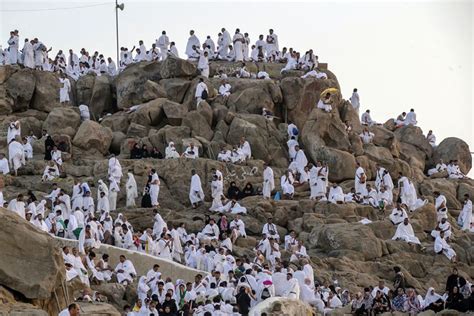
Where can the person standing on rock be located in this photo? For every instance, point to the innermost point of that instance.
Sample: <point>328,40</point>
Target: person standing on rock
<point>202,92</point>
<point>65,88</point>
<point>360,180</point>
<point>238,41</point>
<point>115,169</point>
<point>114,189</point>
<point>162,43</point>
<point>13,43</point>
<point>196,194</point>
<point>154,188</point>
<point>14,130</point>
<point>203,64</point>
<point>268,182</point>
<point>192,41</point>
<point>28,55</point>
<point>355,100</point>
<point>272,44</point>
<point>16,155</point>
<point>132,191</point>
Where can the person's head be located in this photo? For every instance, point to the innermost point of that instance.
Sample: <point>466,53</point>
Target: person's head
<point>455,271</point>
<point>396,269</point>
<point>271,31</point>
<point>191,32</point>
<point>270,220</point>
<point>122,258</point>
<point>436,193</point>
<point>405,221</point>
<point>74,309</point>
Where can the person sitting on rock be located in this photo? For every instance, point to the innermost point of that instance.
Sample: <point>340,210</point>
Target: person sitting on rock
<point>400,121</point>
<point>224,89</point>
<point>406,233</point>
<point>170,151</point>
<point>352,196</point>
<point>441,246</point>
<point>125,271</point>
<point>366,119</point>
<point>442,227</point>
<point>286,182</point>
<point>336,195</point>
<point>191,152</point>
<point>50,172</point>
<point>399,214</point>
<point>325,103</point>
<point>440,167</point>
<point>366,136</point>
<point>454,172</point>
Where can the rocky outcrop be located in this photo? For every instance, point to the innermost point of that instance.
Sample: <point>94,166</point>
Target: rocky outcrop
<point>96,92</point>
<point>63,120</point>
<point>93,137</point>
<point>453,148</point>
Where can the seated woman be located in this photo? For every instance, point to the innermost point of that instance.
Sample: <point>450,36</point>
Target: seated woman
<point>136,152</point>
<point>145,153</point>
<point>156,154</point>
<point>248,190</point>
<point>234,192</point>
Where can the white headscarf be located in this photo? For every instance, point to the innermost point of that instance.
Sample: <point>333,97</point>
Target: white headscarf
<point>431,298</point>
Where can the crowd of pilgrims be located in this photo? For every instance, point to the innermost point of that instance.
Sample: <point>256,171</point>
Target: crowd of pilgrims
<point>233,283</point>
<point>35,55</point>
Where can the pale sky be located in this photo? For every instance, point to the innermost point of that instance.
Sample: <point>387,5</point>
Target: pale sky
<point>398,54</point>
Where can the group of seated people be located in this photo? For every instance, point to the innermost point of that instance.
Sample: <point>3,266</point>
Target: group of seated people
<point>452,169</point>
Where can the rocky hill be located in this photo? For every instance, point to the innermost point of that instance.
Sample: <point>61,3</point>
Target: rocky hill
<point>340,247</point>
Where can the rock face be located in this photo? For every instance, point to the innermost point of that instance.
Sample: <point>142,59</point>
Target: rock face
<point>281,306</point>
<point>339,246</point>
<point>44,268</point>
<point>453,148</point>
<point>92,136</point>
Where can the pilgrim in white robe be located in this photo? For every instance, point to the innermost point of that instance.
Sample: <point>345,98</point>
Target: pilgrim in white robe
<point>442,227</point>
<point>292,143</point>
<point>440,167</point>
<point>57,157</point>
<point>64,90</point>
<point>16,155</point>
<point>441,207</point>
<point>191,153</point>
<point>366,137</point>
<point>28,149</point>
<point>154,189</point>
<point>224,89</point>
<point>360,181</point>
<point>85,113</point>
<point>238,40</point>
<point>406,233</point>
<point>336,195</point>
<point>14,130</point>
<point>431,138</point>
<point>465,219</point>
<point>132,191</point>
<point>4,167</point>
<point>327,107</point>
<point>203,65</point>
<point>17,207</point>
<point>28,55</point>
<point>196,194</point>
<point>50,172</point>
<point>170,151</point>
<point>125,271</point>
<point>158,225</point>
<point>293,289</point>
<point>237,227</point>
<point>441,246</point>
<point>114,189</point>
<point>398,215</point>
<point>286,183</point>
<point>268,182</point>
<point>192,41</point>
<point>13,44</point>
<point>245,150</point>
<point>355,101</point>
<point>411,118</point>
<point>217,190</point>
<point>299,162</point>
<point>115,169</point>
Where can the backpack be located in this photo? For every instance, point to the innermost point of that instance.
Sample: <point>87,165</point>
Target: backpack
<point>265,294</point>
<point>295,131</point>
<point>204,94</point>
<point>277,196</point>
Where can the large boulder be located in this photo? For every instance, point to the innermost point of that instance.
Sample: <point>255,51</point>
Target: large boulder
<point>131,84</point>
<point>445,187</point>
<point>413,135</point>
<point>341,164</point>
<point>117,122</point>
<point>161,138</point>
<point>175,88</point>
<point>20,87</point>
<point>31,264</point>
<point>453,148</point>
<point>63,120</point>
<point>198,125</point>
<point>266,142</point>
<point>91,136</point>
<point>300,96</point>
<point>324,129</point>
<point>174,112</point>
<point>46,95</point>
<point>344,239</point>
<point>150,113</point>
<point>174,67</point>
<point>96,92</point>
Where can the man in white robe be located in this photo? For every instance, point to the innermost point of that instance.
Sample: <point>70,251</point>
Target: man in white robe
<point>431,138</point>
<point>465,219</point>
<point>237,227</point>
<point>299,162</point>
<point>366,136</point>
<point>217,191</point>
<point>85,113</point>
<point>292,143</point>
<point>4,167</point>
<point>268,181</point>
<point>16,156</point>
<point>238,41</point>
<point>13,131</point>
<point>442,247</point>
<point>192,41</point>
<point>406,233</point>
<point>132,191</point>
<point>191,152</point>
<point>360,180</point>
<point>272,46</point>
<point>440,167</point>
<point>355,100</point>
<point>398,214</point>
<point>210,231</point>
<point>244,148</point>
<point>165,247</point>
<point>196,194</point>
<point>203,64</point>
<point>163,43</point>
<point>103,203</point>
<point>115,169</point>
<point>125,271</point>
<point>286,183</point>
<point>17,206</point>
<point>224,45</point>
<point>28,55</point>
<point>65,89</point>
<point>114,189</point>
<point>293,288</point>
<point>13,44</point>
<point>224,88</point>
<point>442,227</point>
<point>366,119</point>
<point>201,86</point>
<point>158,224</point>
<point>336,195</point>
<point>154,188</point>
<point>440,206</point>
<point>324,103</point>
<point>411,118</point>
<point>211,46</point>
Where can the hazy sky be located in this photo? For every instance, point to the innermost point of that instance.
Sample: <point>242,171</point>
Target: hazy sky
<point>398,54</point>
